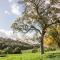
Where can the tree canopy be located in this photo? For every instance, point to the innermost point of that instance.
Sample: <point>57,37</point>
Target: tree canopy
<point>41,13</point>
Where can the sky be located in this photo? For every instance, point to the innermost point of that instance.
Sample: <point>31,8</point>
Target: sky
<point>9,11</point>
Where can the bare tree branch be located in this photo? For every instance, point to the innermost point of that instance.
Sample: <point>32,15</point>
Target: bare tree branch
<point>57,21</point>
<point>33,28</point>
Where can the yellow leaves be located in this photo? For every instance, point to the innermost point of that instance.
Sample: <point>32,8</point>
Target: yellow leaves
<point>49,41</point>
<point>58,29</point>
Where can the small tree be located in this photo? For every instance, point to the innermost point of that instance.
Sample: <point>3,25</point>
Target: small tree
<point>41,13</point>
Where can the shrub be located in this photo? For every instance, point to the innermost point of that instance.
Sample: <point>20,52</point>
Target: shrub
<point>35,50</point>
<point>50,55</point>
<point>2,53</point>
<point>8,50</point>
<point>50,49</point>
<point>17,50</point>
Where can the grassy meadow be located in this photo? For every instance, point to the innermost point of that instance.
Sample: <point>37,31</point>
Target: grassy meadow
<point>52,55</point>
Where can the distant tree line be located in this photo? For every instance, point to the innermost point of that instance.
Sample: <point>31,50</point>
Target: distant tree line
<point>8,45</point>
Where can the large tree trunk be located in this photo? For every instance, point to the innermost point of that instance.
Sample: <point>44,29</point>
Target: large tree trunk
<point>42,44</point>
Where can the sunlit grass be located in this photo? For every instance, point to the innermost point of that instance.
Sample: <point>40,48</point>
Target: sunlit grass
<point>53,55</point>
<point>25,56</point>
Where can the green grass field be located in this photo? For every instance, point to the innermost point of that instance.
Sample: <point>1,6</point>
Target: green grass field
<point>53,55</point>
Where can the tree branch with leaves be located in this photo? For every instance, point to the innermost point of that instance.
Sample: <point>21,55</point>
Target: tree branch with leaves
<point>43,12</point>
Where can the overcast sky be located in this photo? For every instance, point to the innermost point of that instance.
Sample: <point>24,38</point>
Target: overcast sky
<point>9,10</point>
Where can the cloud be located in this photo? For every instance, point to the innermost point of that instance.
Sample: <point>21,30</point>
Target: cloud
<point>7,34</point>
<point>1,16</point>
<point>7,12</point>
<point>15,9</point>
<point>10,1</point>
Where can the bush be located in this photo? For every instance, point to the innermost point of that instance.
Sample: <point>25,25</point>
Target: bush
<point>50,55</point>
<point>50,49</point>
<point>17,51</point>
<point>8,50</point>
<point>35,50</point>
<point>2,53</point>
